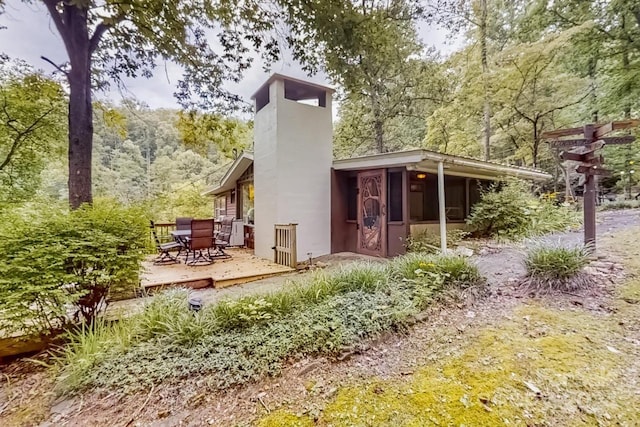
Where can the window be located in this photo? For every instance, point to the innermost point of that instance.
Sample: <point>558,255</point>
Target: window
<point>394,190</point>
<point>247,191</point>
<point>455,195</point>
<point>220,206</point>
<point>423,197</point>
<point>352,198</point>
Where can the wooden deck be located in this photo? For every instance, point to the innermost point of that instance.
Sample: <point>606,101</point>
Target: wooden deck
<point>242,267</point>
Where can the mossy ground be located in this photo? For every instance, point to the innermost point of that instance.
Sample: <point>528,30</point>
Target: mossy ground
<point>584,364</point>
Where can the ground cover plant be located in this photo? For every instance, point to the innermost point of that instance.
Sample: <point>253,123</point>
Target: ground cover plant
<point>509,211</point>
<point>429,241</point>
<point>520,372</point>
<point>556,268</point>
<point>236,341</point>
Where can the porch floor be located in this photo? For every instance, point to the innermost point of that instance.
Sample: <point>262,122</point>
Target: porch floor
<point>242,267</point>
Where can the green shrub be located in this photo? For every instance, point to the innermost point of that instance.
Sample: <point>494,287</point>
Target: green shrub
<point>556,268</point>
<point>59,267</point>
<point>427,241</point>
<point>455,269</point>
<point>508,210</point>
<point>236,341</point>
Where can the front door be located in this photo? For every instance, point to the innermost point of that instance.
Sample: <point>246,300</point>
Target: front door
<point>372,213</point>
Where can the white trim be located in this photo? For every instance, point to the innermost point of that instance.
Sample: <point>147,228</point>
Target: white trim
<point>442,211</point>
<point>234,172</point>
<point>279,76</point>
<point>427,160</point>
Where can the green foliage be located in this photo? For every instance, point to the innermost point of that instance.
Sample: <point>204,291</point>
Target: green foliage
<point>556,268</point>
<point>199,131</point>
<point>429,241</point>
<point>60,267</point>
<point>555,262</point>
<point>372,51</point>
<point>32,127</point>
<point>508,210</point>
<point>248,310</point>
<point>233,342</point>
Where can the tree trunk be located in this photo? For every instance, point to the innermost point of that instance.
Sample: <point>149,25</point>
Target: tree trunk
<point>80,108</point>
<point>536,144</point>
<point>378,125</point>
<point>485,71</point>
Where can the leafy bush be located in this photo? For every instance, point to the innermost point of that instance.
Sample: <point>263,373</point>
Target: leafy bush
<point>556,268</point>
<point>427,241</point>
<point>59,267</point>
<point>510,211</point>
<point>236,341</point>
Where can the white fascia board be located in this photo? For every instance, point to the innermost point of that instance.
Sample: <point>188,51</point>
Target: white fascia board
<point>492,169</point>
<point>233,173</point>
<point>385,160</point>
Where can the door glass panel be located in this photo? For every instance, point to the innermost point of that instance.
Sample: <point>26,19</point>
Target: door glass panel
<point>371,227</point>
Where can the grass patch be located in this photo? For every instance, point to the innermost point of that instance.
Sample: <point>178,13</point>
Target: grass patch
<point>556,268</point>
<point>619,205</point>
<point>560,353</point>
<point>236,341</point>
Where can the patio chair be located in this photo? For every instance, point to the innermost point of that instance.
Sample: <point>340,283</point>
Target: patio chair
<point>164,256</point>
<point>222,238</point>
<point>201,239</point>
<point>183,223</point>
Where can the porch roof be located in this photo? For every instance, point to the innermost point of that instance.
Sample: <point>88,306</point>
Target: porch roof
<point>235,171</point>
<point>427,161</point>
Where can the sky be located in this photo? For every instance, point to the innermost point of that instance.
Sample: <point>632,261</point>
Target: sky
<point>29,34</point>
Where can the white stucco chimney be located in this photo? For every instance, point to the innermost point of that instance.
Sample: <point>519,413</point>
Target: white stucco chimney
<point>292,164</point>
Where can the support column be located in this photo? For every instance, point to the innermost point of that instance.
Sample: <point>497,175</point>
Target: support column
<point>589,200</point>
<point>442,210</point>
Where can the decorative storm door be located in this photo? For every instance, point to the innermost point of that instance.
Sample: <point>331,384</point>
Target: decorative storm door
<point>372,213</point>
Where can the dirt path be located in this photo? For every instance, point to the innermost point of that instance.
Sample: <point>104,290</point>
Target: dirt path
<point>503,263</point>
<point>564,360</point>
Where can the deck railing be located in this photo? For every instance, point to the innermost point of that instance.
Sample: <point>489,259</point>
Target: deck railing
<point>163,231</point>
<point>285,248</point>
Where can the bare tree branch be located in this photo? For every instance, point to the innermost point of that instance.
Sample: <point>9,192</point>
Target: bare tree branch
<point>56,66</point>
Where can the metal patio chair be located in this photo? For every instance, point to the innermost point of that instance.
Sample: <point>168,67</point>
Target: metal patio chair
<point>201,239</point>
<point>164,249</point>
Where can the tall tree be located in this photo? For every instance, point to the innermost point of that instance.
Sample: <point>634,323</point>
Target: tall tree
<point>108,39</point>
<point>477,18</point>
<point>533,90</point>
<point>368,47</point>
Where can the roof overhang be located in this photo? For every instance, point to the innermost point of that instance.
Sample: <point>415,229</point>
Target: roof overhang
<point>427,161</point>
<point>279,76</point>
<point>228,181</point>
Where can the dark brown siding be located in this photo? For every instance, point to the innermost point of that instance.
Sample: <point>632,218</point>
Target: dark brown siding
<point>397,232</point>
<point>343,233</point>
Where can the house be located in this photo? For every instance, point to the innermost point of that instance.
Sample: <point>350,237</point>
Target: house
<point>367,205</point>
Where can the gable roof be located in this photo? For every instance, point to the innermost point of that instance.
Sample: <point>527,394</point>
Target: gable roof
<point>228,181</point>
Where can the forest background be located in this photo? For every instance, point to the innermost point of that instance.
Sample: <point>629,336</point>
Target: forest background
<point>522,68</point>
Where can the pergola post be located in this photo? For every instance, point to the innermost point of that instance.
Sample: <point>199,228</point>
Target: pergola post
<point>442,210</point>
